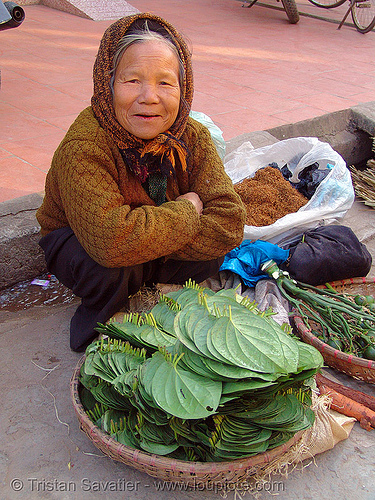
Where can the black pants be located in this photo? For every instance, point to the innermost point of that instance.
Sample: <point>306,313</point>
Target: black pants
<point>104,291</point>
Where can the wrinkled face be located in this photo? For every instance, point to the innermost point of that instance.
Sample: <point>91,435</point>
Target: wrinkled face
<point>146,90</point>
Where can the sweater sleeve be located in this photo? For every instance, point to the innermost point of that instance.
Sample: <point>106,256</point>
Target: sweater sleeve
<point>223,218</point>
<point>115,234</point>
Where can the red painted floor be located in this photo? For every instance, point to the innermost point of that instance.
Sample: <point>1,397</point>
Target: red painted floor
<point>253,71</point>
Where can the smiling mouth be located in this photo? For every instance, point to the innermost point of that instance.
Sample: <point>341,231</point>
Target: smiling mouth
<point>139,115</point>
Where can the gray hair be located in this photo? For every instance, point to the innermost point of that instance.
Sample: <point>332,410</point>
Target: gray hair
<point>141,36</point>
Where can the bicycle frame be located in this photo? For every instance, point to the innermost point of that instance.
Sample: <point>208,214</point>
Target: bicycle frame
<point>362,11</point>
<point>352,4</point>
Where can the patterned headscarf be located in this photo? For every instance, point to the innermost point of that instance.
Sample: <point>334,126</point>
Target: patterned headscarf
<point>143,157</point>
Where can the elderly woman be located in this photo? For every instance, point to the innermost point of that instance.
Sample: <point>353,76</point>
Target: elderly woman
<point>136,193</point>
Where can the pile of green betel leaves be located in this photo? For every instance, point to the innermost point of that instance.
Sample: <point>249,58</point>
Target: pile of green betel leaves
<point>203,376</point>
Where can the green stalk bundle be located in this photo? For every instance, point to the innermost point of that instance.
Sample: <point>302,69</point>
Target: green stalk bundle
<point>345,322</point>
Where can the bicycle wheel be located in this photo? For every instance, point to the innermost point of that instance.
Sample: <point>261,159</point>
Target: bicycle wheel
<point>327,4</point>
<point>363,15</point>
<point>291,10</point>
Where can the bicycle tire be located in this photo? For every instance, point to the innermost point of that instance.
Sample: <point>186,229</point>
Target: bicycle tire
<point>363,15</point>
<point>327,4</point>
<point>291,10</point>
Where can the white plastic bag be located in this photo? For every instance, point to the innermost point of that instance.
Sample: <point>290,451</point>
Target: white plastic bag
<point>215,131</point>
<point>331,200</point>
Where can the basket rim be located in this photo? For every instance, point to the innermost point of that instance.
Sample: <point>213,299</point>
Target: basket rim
<point>327,349</point>
<point>137,456</point>
<point>362,280</point>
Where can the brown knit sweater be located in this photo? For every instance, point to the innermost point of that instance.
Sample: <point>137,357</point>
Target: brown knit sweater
<point>89,188</point>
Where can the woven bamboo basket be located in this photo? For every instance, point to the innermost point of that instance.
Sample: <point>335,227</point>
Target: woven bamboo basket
<point>197,475</point>
<point>359,368</point>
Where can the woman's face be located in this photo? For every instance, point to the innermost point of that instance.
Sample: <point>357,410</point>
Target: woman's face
<point>146,95</point>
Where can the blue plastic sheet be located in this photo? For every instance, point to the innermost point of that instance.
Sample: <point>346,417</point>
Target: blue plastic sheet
<point>247,259</point>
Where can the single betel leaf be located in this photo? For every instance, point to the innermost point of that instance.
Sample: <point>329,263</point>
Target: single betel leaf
<point>182,393</point>
<point>158,448</point>
<point>309,357</point>
<point>185,296</point>
<point>249,340</point>
<point>245,386</point>
<point>222,299</point>
<point>284,347</point>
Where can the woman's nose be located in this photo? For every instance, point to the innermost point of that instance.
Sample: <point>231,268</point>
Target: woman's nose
<point>148,94</point>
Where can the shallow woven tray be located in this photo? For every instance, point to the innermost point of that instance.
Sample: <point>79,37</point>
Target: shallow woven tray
<point>198,475</point>
<point>354,366</point>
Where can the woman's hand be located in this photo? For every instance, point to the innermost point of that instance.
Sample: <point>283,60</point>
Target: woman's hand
<point>195,200</point>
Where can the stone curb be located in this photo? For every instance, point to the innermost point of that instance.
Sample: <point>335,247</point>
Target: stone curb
<point>21,256</point>
<point>349,132</point>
